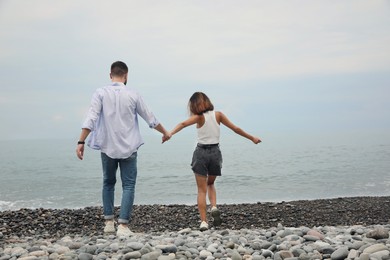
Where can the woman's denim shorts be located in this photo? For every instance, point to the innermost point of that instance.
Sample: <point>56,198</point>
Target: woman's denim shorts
<point>207,160</point>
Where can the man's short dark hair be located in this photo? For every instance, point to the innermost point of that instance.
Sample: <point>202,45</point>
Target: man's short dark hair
<point>119,69</point>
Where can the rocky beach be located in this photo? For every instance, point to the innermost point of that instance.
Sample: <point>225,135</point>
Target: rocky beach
<point>339,228</point>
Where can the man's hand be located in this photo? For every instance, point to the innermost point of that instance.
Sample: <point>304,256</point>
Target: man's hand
<point>80,151</point>
<point>166,137</point>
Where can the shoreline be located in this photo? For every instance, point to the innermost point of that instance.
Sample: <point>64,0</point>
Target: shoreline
<point>88,221</point>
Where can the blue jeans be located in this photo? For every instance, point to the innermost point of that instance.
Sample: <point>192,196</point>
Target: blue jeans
<point>128,170</point>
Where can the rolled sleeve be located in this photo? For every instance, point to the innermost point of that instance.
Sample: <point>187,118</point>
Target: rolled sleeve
<point>93,112</point>
<point>146,114</point>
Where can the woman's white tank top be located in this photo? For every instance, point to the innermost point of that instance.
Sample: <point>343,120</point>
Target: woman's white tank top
<point>210,131</point>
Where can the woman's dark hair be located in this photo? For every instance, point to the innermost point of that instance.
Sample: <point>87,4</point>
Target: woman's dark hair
<point>199,103</point>
<point>119,69</point>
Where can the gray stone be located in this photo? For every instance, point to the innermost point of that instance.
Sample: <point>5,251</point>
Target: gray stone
<point>315,256</point>
<point>310,238</point>
<point>267,253</point>
<point>298,251</point>
<point>135,245</point>
<point>193,251</point>
<point>304,256</point>
<point>380,254</point>
<point>375,248</point>
<point>101,241</point>
<point>85,256</point>
<point>327,250</point>
<point>364,256</point>
<point>151,256</point>
<point>38,253</point>
<point>285,232</point>
<point>54,256</point>
<point>166,257</point>
<point>133,255</point>
<point>258,257</point>
<point>91,249</point>
<point>28,258</point>
<point>218,255</point>
<point>292,237</point>
<point>224,232</point>
<point>18,251</point>
<point>235,255</point>
<point>378,233</point>
<point>241,250</point>
<point>76,245</point>
<point>146,249</point>
<point>315,233</point>
<point>266,245</point>
<point>353,253</point>
<point>357,245</point>
<point>243,241</point>
<point>211,248</point>
<point>101,256</point>
<point>167,248</point>
<point>33,248</point>
<point>204,254</point>
<point>273,247</point>
<point>280,255</point>
<point>114,247</point>
<point>249,251</point>
<point>286,254</point>
<point>256,246</point>
<point>184,231</point>
<point>179,242</point>
<point>308,248</point>
<point>230,244</point>
<point>340,253</point>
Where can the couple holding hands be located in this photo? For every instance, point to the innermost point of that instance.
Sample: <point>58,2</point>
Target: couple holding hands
<point>112,123</point>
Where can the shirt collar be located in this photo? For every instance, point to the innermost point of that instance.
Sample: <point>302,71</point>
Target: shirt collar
<point>117,84</point>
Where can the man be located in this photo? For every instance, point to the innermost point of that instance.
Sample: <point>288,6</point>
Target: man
<point>113,123</point>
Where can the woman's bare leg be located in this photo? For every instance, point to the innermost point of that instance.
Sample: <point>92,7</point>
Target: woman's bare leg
<point>201,182</point>
<point>211,191</point>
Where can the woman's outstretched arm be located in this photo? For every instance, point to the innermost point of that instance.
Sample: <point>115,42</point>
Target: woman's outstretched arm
<point>190,121</point>
<point>224,120</point>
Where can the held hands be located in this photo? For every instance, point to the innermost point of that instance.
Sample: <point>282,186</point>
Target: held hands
<point>166,137</point>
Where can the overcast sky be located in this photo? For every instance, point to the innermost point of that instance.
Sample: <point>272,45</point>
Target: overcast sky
<point>288,67</point>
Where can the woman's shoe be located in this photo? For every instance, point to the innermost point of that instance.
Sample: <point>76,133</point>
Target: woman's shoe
<point>203,226</point>
<point>216,214</point>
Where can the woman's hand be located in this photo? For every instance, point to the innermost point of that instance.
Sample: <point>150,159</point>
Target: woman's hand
<point>166,137</point>
<point>256,140</point>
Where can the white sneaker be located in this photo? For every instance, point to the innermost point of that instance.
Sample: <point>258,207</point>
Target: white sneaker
<point>123,231</point>
<point>216,214</point>
<point>110,227</point>
<point>203,226</point>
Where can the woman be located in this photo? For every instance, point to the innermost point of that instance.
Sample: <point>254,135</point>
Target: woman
<point>207,158</point>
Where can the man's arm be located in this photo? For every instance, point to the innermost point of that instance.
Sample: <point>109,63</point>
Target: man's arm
<point>80,147</point>
<point>166,134</point>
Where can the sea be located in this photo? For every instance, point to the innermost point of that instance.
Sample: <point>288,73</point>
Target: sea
<point>47,173</point>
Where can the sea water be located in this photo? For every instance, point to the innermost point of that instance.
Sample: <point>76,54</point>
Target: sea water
<point>47,173</point>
